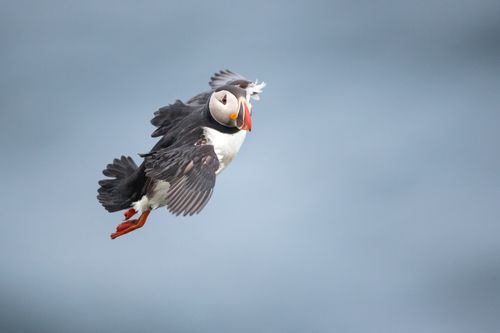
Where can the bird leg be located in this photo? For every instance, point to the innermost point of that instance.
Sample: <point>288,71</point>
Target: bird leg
<point>128,226</point>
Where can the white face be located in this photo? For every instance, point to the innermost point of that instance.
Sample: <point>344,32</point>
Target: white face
<point>224,107</point>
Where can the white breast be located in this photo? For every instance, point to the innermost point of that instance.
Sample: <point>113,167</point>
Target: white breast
<point>226,146</point>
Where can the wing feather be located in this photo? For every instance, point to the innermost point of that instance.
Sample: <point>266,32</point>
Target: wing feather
<point>227,77</point>
<point>190,169</point>
<point>166,117</point>
<point>224,77</point>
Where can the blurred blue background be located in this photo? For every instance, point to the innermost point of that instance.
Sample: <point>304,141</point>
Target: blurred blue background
<point>366,199</point>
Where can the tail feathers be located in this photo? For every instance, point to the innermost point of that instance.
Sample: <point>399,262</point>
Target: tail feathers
<point>118,193</point>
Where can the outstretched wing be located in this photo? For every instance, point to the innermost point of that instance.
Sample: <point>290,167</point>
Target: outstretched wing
<point>166,117</point>
<point>200,99</point>
<point>190,170</point>
<point>227,77</point>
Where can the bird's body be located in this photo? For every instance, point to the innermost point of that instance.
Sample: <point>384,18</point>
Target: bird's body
<point>198,140</point>
<point>226,146</point>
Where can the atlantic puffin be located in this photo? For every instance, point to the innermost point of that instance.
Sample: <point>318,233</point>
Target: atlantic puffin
<point>198,139</point>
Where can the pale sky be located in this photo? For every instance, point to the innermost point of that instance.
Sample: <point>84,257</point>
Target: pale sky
<point>365,199</point>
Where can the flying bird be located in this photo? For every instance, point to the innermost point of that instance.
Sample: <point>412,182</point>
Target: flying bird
<point>198,139</point>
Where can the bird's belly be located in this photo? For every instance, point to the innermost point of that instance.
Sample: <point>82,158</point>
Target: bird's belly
<point>159,194</point>
<point>226,146</point>
<point>155,198</point>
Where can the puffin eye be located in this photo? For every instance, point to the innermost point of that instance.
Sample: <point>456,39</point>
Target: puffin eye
<point>224,100</point>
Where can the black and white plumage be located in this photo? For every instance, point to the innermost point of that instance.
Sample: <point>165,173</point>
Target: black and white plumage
<point>198,139</point>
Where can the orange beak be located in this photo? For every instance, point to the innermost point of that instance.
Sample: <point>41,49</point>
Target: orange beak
<point>244,120</point>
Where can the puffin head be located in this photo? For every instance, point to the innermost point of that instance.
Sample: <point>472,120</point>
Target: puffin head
<point>229,107</point>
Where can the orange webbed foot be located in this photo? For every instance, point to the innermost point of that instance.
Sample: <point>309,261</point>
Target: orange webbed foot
<point>129,213</point>
<point>125,225</point>
<point>131,225</point>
